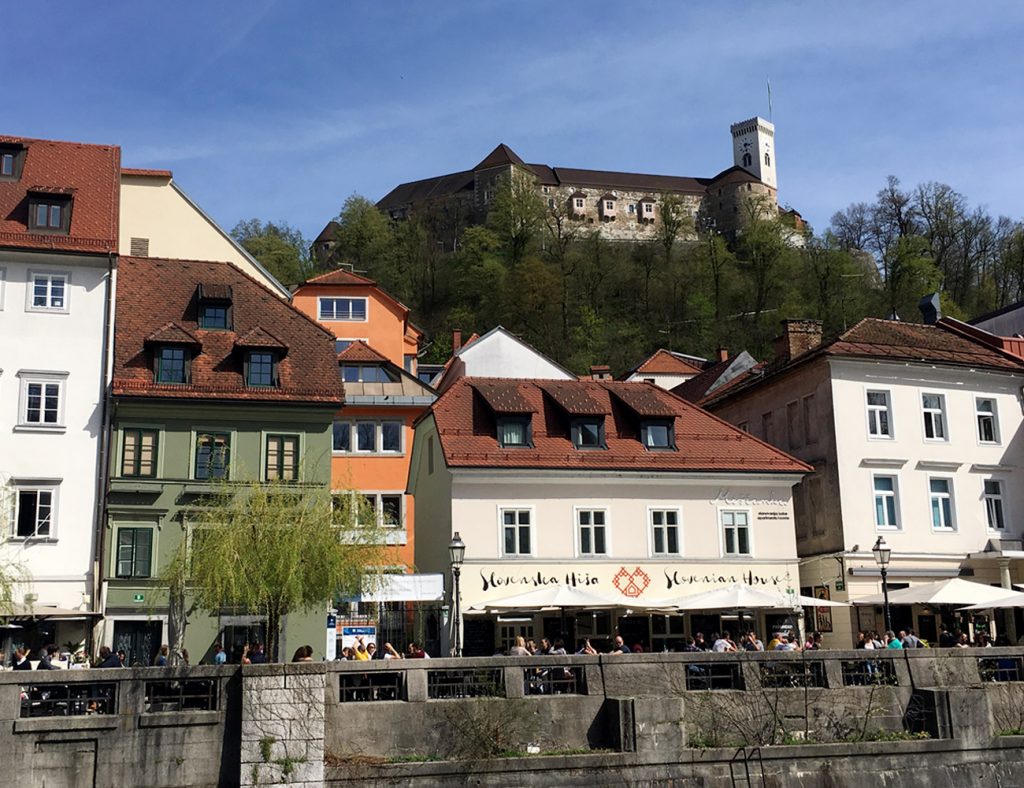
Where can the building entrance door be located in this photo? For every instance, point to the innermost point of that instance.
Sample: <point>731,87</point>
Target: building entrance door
<point>139,640</point>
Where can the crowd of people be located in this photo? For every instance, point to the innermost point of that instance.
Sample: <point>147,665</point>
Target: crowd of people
<point>361,650</point>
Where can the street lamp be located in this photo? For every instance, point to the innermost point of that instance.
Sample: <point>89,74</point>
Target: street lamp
<point>882,553</point>
<point>456,552</point>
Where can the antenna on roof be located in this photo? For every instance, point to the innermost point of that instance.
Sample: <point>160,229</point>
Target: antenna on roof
<point>350,267</point>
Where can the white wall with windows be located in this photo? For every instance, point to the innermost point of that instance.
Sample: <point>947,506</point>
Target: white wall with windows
<point>519,523</point>
<point>51,379</point>
<point>926,456</point>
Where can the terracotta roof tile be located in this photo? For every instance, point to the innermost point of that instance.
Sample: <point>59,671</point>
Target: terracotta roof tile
<point>90,172</point>
<point>260,337</point>
<point>143,173</point>
<point>467,434</point>
<point>575,400</point>
<point>666,362</point>
<point>503,396</point>
<point>644,402</point>
<point>154,293</point>
<point>339,276</point>
<point>171,333</point>
<point>359,351</point>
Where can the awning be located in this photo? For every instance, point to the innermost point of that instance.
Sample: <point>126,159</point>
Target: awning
<point>19,611</point>
<point>954,591</point>
<point>405,588</point>
<point>552,598</point>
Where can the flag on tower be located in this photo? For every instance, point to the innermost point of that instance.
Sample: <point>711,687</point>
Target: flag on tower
<point>769,97</point>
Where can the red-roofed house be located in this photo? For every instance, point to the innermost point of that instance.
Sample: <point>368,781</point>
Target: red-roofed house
<point>58,247</point>
<point>666,368</point>
<point>913,431</point>
<point>620,489</point>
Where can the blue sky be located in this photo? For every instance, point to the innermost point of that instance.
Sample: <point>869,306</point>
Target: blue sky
<point>281,110</point>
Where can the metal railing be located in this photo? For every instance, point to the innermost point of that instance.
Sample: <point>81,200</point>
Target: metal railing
<point>68,700</point>
<point>190,695</point>
<point>713,676</point>
<point>1001,668</point>
<point>867,672</point>
<point>362,687</point>
<point>793,673</point>
<point>465,683</point>
<point>555,680</point>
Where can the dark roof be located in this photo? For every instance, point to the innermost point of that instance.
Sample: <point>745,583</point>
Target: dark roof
<point>329,233</point>
<point>502,396</point>
<point>502,156</point>
<point>155,293</point>
<point>635,181</point>
<point>468,437</point>
<point>734,174</point>
<point>91,173</point>
<point>418,191</point>
<point>717,377</point>
<point>573,399</point>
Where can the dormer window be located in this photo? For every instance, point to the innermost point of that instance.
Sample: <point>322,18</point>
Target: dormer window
<point>261,368</point>
<point>514,432</point>
<point>172,364</point>
<point>213,316</point>
<point>49,213</point>
<point>657,435</point>
<point>588,433</point>
<point>12,161</point>
<point>214,306</point>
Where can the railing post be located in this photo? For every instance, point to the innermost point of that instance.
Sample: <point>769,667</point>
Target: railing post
<point>416,685</point>
<point>515,682</point>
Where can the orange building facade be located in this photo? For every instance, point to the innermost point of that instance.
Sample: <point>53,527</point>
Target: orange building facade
<point>373,433</point>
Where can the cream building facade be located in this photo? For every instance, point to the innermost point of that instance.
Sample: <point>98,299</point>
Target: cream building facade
<point>914,434</point>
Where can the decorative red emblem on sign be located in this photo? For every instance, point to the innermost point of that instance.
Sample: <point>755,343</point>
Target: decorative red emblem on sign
<point>631,584</point>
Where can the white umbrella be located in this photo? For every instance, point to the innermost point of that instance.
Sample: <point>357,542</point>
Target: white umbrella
<point>557,597</point>
<point>813,601</point>
<point>953,591</point>
<point>738,596</point>
<point>1017,600</point>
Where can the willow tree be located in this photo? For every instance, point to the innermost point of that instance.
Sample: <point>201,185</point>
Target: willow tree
<point>14,577</point>
<point>274,549</point>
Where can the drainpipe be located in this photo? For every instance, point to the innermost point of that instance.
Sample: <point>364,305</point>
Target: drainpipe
<point>102,475</point>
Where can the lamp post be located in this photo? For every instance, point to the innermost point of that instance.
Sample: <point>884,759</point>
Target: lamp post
<point>456,552</point>
<point>882,553</point>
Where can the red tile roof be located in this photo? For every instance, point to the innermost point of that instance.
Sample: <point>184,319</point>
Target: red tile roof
<point>154,295</point>
<point>90,172</point>
<point>260,337</point>
<point>665,362</point>
<point>467,433</point>
<point>339,276</point>
<point>171,333</point>
<point>141,173</point>
<point>360,352</point>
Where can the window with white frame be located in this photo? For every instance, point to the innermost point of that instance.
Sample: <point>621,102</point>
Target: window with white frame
<point>886,502</point>
<point>648,207</point>
<point>35,509</point>
<point>941,491</point>
<point>879,414</point>
<point>994,505</point>
<point>367,373</point>
<point>48,292</point>
<point>988,420</point>
<point>578,202</point>
<point>735,532</point>
<point>609,205</point>
<point>592,537</point>
<point>386,508</point>
<point>349,309</point>
<point>933,407</point>
<point>42,400</point>
<point>665,532</point>
<point>367,437</point>
<point>516,532</point>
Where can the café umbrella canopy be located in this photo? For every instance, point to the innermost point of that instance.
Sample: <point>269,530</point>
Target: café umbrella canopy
<point>737,596</point>
<point>1017,600</point>
<point>954,591</point>
<point>557,597</point>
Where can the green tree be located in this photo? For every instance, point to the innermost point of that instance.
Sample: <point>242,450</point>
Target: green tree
<point>516,214</point>
<point>281,249</point>
<point>365,237</point>
<point>273,549</point>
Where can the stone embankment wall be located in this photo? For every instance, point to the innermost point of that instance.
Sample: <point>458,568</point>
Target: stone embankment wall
<point>673,719</point>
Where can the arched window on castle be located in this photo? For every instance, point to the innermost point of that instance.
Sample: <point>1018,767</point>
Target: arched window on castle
<point>747,160</point>
<point>767,159</point>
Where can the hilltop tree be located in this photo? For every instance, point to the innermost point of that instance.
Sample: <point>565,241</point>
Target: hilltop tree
<point>516,214</point>
<point>281,249</point>
<point>272,549</point>
<point>365,237</point>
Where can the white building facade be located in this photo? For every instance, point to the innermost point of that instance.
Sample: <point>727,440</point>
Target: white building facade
<point>914,434</point>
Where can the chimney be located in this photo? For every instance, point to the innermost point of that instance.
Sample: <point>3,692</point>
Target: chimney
<point>456,340</point>
<point>723,354</point>
<point>798,336</point>
<point>600,372</point>
<point>930,309</point>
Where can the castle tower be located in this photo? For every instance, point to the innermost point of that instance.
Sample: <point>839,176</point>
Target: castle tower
<point>753,144</point>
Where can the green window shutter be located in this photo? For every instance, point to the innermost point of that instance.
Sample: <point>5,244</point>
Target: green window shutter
<point>143,552</point>
<point>125,551</point>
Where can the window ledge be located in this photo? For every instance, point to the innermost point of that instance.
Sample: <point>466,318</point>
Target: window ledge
<point>983,468</point>
<point>48,310</point>
<point>54,428</point>
<point>84,723</point>
<point>882,462</point>
<point>27,540</point>
<point>937,465</point>
<point>174,719</point>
